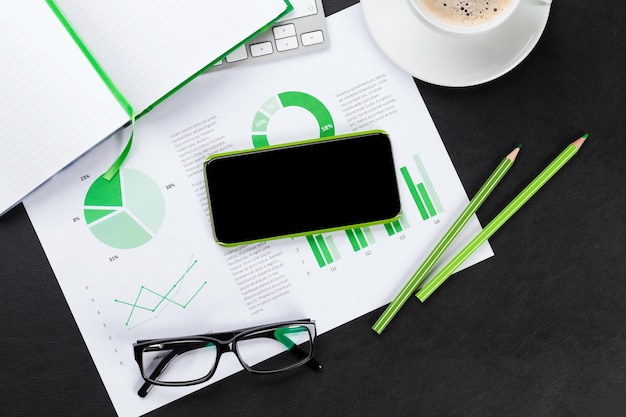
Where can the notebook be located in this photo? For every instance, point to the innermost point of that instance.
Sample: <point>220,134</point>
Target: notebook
<point>74,72</point>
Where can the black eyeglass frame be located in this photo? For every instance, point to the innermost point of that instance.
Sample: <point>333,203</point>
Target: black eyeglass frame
<point>224,342</point>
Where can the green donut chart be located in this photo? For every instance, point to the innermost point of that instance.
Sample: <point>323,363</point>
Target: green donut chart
<point>127,211</point>
<point>290,99</point>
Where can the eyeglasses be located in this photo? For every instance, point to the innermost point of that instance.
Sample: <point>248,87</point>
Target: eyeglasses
<point>189,360</point>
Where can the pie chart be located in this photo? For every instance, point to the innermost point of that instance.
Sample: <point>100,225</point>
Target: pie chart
<point>290,99</point>
<point>125,212</point>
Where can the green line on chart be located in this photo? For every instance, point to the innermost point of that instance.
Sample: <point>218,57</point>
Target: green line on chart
<point>166,298</point>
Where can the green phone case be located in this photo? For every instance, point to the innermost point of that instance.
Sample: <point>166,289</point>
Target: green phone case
<point>284,145</point>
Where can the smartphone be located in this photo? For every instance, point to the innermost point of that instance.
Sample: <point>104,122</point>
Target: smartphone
<point>304,187</point>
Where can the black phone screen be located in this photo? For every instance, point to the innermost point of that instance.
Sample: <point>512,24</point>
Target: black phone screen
<point>304,187</point>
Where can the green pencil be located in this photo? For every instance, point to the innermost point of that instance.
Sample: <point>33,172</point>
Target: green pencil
<point>501,218</point>
<point>445,241</point>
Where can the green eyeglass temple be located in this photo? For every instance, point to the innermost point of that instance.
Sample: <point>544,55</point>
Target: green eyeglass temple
<point>281,333</point>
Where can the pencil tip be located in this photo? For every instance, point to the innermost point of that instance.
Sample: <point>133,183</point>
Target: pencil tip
<point>579,142</point>
<point>519,146</point>
<point>513,154</point>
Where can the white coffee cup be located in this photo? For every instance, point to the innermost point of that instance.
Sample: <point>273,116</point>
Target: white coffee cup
<point>465,17</point>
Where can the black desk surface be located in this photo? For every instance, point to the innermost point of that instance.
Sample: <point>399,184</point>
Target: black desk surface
<point>537,330</point>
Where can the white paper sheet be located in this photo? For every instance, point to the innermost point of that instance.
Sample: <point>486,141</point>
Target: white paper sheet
<point>157,212</point>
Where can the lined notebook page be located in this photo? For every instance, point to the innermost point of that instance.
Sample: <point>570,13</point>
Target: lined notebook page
<point>150,47</point>
<point>53,105</point>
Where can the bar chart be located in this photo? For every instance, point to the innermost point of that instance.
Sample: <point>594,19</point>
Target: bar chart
<point>422,190</point>
<point>360,238</point>
<point>397,226</point>
<point>324,249</point>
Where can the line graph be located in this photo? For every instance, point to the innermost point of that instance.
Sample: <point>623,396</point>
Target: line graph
<point>153,302</point>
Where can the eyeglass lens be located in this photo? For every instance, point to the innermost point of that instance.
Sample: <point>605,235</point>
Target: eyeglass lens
<point>286,346</point>
<point>179,362</point>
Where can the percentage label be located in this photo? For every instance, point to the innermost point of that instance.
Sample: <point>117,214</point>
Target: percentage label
<point>170,186</point>
<point>76,219</point>
<point>327,127</point>
<point>113,258</point>
<point>260,123</point>
<point>85,177</point>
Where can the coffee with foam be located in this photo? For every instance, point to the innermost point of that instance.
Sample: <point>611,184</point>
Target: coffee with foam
<point>465,12</point>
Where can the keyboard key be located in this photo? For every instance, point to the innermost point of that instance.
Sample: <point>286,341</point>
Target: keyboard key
<point>238,54</point>
<point>286,44</point>
<point>284,31</point>
<point>312,38</point>
<point>260,49</point>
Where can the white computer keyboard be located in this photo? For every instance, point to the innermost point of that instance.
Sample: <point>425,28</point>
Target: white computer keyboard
<point>302,30</point>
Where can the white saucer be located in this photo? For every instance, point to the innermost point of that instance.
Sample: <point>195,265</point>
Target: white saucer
<point>450,61</point>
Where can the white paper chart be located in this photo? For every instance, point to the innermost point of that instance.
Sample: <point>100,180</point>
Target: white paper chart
<point>136,259</point>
